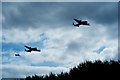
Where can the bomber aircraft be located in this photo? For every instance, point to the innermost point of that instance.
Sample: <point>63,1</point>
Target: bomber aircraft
<point>29,49</point>
<point>80,22</point>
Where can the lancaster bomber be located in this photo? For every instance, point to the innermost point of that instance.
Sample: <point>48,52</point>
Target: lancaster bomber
<point>29,49</point>
<point>17,54</point>
<point>80,22</point>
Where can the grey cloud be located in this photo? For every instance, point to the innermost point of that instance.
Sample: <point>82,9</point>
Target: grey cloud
<point>37,14</point>
<point>101,13</point>
<point>119,31</point>
<point>30,14</point>
<point>74,47</point>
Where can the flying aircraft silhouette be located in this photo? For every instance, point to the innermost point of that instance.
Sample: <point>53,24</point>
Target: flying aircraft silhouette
<point>80,22</point>
<point>17,54</point>
<point>31,49</point>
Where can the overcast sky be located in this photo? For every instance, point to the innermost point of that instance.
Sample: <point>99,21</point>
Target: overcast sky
<point>48,26</point>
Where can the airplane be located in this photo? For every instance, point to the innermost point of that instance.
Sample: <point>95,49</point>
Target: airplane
<point>31,49</point>
<point>80,22</point>
<point>17,54</point>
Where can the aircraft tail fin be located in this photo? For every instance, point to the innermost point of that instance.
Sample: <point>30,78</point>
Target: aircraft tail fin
<point>27,50</point>
<point>73,24</point>
<point>76,25</point>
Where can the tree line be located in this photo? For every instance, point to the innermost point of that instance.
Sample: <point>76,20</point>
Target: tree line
<point>87,70</point>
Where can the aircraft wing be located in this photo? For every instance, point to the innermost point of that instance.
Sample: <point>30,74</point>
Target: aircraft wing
<point>76,20</point>
<point>28,47</point>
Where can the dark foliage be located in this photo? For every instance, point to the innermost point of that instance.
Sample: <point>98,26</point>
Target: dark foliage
<point>88,70</point>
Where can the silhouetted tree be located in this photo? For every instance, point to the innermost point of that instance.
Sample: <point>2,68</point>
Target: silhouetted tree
<point>86,70</point>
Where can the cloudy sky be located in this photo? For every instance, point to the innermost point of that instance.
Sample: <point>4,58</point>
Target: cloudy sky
<point>48,26</point>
